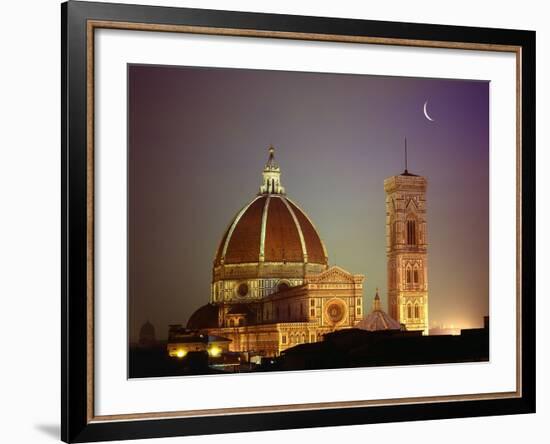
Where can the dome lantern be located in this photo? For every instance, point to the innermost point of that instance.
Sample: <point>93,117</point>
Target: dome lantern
<point>271,176</point>
<point>376,302</point>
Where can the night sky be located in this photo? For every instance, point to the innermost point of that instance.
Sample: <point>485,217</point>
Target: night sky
<point>198,140</point>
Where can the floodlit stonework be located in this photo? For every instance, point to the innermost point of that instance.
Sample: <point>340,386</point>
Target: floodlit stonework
<point>407,250</point>
<point>273,288</point>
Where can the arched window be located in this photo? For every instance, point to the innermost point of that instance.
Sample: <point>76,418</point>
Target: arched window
<point>415,275</point>
<point>408,274</point>
<point>411,232</point>
<point>231,323</point>
<point>409,311</point>
<point>416,311</point>
<point>303,338</point>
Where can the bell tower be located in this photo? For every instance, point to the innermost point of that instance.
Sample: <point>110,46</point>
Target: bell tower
<point>406,249</point>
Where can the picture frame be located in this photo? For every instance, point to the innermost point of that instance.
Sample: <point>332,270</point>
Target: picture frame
<point>80,21</point>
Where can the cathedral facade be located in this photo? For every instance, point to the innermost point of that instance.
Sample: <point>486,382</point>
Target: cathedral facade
<point>272,286</point>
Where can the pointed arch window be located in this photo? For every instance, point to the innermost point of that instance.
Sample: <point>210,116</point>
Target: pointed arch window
<point>416,311</point>
<point>411,232</point>
<point>408,275</point>
<point>409,311</point>
<point>415,275</point>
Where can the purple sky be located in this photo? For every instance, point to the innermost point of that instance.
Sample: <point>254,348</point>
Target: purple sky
<point>198,141</point>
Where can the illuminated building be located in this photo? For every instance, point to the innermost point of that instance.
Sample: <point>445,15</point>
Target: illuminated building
<point>182,341</point>
<point>406,250</point>
<point>272,286</point>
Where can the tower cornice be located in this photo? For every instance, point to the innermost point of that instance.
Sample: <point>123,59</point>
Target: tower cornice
<point>403,182</point>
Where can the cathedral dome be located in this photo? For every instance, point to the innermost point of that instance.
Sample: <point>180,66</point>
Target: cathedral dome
<point>271,244</point>
<point>271,228</point>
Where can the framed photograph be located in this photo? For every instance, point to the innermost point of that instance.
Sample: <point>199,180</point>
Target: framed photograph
<point>276,221</point>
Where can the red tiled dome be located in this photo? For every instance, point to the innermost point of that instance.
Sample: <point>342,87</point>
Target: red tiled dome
<point>271,228</point>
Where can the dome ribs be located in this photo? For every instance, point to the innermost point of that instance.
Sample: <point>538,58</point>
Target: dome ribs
<point>315,248</point>
<point>244,243</point>
<point>282,240</point>
<point>219,252</point>
<point>286,235</point>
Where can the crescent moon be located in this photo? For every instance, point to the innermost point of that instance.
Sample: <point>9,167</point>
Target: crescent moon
<point>426,112</point>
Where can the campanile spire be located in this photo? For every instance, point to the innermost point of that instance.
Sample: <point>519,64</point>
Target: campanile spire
<point>271,183</point>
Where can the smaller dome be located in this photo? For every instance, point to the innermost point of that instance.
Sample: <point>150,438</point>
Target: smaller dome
<point>147,335</point>
<point>378,320</point>
<point>147,330</point>
<point>204,317</point>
